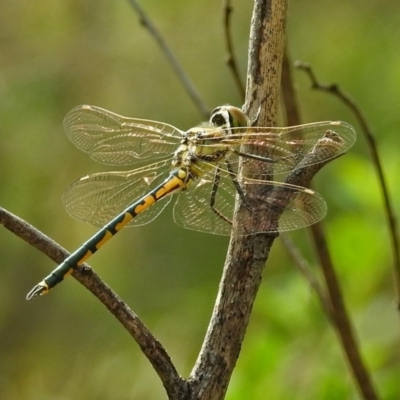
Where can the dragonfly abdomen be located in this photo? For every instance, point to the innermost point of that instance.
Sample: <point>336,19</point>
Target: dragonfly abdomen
<point>177,180</point>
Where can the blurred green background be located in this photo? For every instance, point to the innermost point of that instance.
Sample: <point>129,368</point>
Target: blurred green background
<point>55,55</point>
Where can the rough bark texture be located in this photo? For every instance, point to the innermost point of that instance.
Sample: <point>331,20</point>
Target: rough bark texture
<point>247,255</point>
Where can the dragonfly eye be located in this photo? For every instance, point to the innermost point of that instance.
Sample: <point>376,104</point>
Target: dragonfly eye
<point>237,117</point>
<point>221,117</point>
<point>228,117</point>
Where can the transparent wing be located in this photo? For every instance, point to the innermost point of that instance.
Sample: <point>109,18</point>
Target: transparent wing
<point>207,204</point>
<point>280,207</point>
<point>291,207</point>
<point>115,140</point>
<point>98,198</point>
<point>192,209</point>
<point>287,147</point>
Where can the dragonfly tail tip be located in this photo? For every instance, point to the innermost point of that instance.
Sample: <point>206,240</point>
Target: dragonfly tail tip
<point>38,290</point>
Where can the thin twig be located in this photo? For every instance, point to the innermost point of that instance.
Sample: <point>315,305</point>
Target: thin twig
<point>335,90</point>
<point>290,104</point>
<point>180,72</point>
<point>304,268</point>
<point>231,58</point>
<point>150,346</point>
<point>292,114</point>
<point>341,319</point>
<point>338,314</point>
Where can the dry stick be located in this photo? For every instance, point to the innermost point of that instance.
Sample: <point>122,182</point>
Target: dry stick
<point>390,214</point>
<point>246,254</point>
<point>231,58</point>
<point>303,266</point>
<point>183,77</point>
<point>150,346</point>
<point>292,114</point>
<point>291,108</point>
<point>338,313</point>
<point>341,318</point>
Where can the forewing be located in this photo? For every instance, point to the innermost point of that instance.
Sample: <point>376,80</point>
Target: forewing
<point>116,140</point>
<point>284,148</point>
<point>98,198</point>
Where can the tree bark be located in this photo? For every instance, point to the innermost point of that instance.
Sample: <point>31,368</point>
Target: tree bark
<point>247,254</point>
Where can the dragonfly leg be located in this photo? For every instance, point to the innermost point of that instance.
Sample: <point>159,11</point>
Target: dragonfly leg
<point>214,190</point>
<point>238,188</point>
<point>254,156</point>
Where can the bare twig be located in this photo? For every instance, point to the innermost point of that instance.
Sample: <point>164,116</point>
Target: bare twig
<point>231,58</point>
<point>180,72</point>
<point>304,268</point>
<point>340,316</point>
<point>367,131</point>
<point>150,346</point>
<point>335,308</point>
<point>292,116</point>
<point>292,112</point>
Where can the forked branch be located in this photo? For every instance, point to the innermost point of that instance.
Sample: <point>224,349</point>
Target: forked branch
<point>336,91</point>
<point>332,302</point>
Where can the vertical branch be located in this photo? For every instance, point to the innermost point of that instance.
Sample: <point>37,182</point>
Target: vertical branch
<point>267,42</point>
<point>341,318</point>
<point>290,104</point>
<point>231,59</point>
<point>332,302</point>
<point>246,255</point>
<point>335,90</point>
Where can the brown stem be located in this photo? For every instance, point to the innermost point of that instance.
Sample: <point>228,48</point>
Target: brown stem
<point>340,316</point>
<point>246,255</point>
<point>304,268</point>
<point>231,59</point>
<point>150,346</point>
<point>335,307</point>
<point>335,90</point>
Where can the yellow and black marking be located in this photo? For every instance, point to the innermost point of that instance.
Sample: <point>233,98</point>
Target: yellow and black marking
<point>177,180</point>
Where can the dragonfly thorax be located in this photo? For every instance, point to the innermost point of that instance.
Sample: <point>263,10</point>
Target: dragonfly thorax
<point>200,149</point>
<point>202,146</point>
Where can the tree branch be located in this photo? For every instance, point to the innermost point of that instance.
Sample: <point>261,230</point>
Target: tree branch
<point>247,254</point>
<point>304,268</point>
<point>371,142</point>
<point>150,346</point>
<point>231,59</point>
<point>335,308</point>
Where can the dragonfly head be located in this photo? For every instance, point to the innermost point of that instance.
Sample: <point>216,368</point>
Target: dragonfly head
<point>228,117</point>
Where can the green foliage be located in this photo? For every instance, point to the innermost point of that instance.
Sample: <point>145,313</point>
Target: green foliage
<point>57,55</point>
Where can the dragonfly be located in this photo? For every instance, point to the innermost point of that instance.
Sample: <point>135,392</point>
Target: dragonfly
<point>199,167</point>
